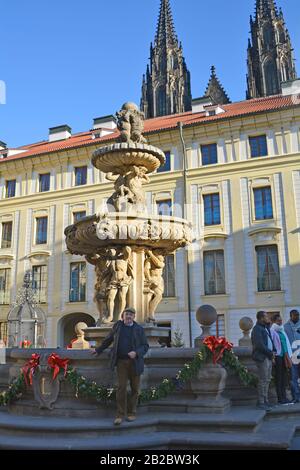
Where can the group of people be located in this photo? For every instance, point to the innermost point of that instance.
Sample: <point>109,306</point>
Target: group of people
<point>277,347</point>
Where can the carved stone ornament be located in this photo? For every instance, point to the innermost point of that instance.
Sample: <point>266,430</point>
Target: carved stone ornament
<point>45,388</point>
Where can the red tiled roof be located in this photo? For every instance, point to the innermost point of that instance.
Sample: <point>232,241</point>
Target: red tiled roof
<point>242,108</point>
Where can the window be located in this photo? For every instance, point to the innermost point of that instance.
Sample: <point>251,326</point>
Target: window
<point>263,203</point>
<point>167,165</point>
<point>212,209</point>
<point>39,282</point>
<point>6,234</point>
<point>3,332</point>
<point>161,105</point>
<point>164,207</point>
<point>78,215</point>
<point>258,146</point>
<point>214,272</point>
<point>218,328</point>
<point>11,188</point>
<point>44,182</point>
<point>271,80</point>
<point>4,286</point>
<point>77,282</point>
<point>80,175</point>
<point>41,230</point>
<point>169,276</point>
<point>209,154</point>
<point>268,276</point>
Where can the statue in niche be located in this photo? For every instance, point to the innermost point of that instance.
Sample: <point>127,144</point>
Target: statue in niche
<point>130,122</point>
<point>153,269</point>
<point>121,276</point>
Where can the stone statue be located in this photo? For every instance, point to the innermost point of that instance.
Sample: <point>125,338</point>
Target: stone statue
<point>153,269</point>
<point>129,188</point>
<point>103,274</point>
<point>121,276</point>
<point>80,342</point>
<point>130,122</point>
<point>135,180</point>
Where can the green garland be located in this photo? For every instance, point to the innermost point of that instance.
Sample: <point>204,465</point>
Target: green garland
<point>14,392</point>
<point>86,388</point>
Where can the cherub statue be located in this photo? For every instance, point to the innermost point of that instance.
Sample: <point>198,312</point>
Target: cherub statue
<point>130,122</point>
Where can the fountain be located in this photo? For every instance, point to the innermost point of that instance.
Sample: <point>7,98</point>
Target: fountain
<point>127,245</point>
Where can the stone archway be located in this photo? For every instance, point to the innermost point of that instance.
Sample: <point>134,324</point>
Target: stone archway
<point>66,326</point>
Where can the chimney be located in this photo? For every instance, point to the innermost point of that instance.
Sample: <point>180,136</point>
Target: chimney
<point>199,104</point>
<point>59,133</point>
<point>104,125</point>
<point>3,145</point>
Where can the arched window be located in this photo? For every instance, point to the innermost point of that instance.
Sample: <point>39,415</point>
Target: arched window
<point>280,35</point>
<point>271,79</point>
<point>161,106</point>
<point>268,36</point>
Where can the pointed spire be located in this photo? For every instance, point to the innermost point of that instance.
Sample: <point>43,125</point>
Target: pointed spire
<point>215,90</point>
<point>266,8</point>
<point>165,33</point>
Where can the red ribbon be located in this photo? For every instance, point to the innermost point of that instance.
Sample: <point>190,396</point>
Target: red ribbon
<point>217,346</point>
<point>56,363</point>
<point>30,367</point>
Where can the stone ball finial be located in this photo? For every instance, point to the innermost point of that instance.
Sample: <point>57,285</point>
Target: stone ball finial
<point>206,315</point>
<point>79,327</point>
<point>130,106</point>
<point>246,324</point>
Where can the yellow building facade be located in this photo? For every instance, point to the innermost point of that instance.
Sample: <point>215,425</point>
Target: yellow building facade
<point>233,171</point>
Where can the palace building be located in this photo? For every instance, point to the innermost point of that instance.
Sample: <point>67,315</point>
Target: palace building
<point>232,169</point>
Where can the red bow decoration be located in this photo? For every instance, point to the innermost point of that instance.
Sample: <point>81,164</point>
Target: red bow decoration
<point>56,363</point>
<point>217,346</point>
<point>30,367</point>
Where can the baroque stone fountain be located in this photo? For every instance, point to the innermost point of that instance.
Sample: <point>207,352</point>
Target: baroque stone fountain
<point>126,244</point>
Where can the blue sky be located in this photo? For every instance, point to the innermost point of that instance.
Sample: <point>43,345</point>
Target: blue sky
<point>68,61</point>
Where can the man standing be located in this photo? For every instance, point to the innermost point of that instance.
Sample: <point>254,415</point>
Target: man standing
<point>129,348</point>
<point>263,354</point>
<point>292,329</point>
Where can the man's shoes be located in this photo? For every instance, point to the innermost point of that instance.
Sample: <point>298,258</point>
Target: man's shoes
<point>131,418</point>
<point>297,400</point>
<point>117,421</point>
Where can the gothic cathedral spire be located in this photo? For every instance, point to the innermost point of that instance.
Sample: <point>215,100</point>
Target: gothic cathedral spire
<point>166,86</point>
<point>270,54</point>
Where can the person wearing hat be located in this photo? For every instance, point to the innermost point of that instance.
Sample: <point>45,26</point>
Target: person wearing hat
<point>129,348</point>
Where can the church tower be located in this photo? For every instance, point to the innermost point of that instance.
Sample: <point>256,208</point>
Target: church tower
<point>270,54</point>
<point>166,86</point>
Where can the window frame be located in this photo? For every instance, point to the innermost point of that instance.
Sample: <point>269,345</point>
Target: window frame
<point>256,138</point>
<point>209,146</point>
<point>2,232</point>
<point>255,191</point>
<point>36,230</point>
<point>259,282</point>
<point>167,296</point>
<point>7,196</point>
<point>78,298</point>
<point>75,175</point>
<point>41,175</point>
<point>205,197</point>
<point>206,281</point>
<point>6,291</point>
<point>42,290</point>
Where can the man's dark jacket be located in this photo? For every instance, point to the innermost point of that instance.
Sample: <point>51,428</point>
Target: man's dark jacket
<point>259,338</point>
<point>140,345</point>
